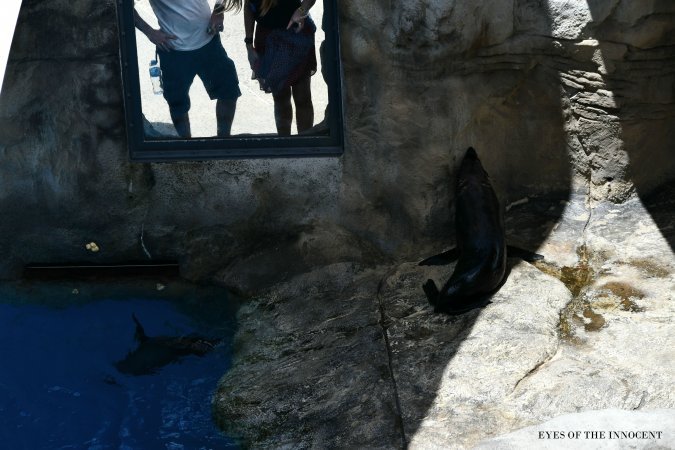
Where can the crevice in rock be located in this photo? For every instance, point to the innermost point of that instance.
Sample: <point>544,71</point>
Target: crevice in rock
<point>537,366</point>
<point>384,324</point>
<point>642,401</point>
<point>589,302</point>
<point>576,278</point>
<point>581,275</point>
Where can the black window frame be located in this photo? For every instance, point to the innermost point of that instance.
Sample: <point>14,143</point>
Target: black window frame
<point>145,149</point>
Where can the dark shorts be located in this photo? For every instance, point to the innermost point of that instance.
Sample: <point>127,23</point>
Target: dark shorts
<point>285,57</point>
<point>210,63</point>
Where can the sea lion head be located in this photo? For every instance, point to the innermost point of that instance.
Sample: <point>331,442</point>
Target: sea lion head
<point>471,169</point>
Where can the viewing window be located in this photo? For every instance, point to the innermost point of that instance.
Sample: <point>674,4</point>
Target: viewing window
<point>156,132</point>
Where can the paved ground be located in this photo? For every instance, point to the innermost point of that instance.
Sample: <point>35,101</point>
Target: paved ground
<point>254,109</point>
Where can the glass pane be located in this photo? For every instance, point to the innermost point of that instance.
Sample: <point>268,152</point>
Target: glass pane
<point>254,113</point>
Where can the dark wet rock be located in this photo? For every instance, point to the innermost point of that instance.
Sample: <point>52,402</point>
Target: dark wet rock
<point>311,367</point>
<point>281,258</point>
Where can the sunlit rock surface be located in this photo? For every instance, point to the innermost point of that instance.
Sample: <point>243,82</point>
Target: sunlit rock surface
<point>589,328</point>
<point>451,371</point>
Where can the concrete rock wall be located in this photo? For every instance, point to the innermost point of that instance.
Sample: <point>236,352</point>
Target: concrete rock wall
<point>557,97</point>
<point>66,179</point>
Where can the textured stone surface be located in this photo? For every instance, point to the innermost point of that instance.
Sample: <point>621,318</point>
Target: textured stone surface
<point>587,329</point>
<point>312,366</point>
<point>312,361</point>
<point>316,245</point>
<point>559,98</point>
<point>570,106</point>
<point>612,345</point>
<point>555,96</point>
<point>66,179</point>
<point>451,373</point>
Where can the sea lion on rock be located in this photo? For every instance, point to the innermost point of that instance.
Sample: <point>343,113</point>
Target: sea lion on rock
<point>481,244</point>
<point>155,352</point>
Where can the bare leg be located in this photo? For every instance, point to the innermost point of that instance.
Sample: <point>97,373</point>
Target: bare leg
<point>304,109</point>
<point>283,112</point>
<point>182,124</point>
<point>225,115</point>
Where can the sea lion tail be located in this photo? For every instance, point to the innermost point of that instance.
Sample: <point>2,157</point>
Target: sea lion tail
<point>139,335</point>
<point>431,291</point>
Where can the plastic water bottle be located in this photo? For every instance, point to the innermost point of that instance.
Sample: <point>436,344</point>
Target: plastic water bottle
<point>156,77</point>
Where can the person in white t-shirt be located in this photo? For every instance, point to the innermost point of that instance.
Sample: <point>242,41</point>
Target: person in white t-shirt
<point>188,45</point>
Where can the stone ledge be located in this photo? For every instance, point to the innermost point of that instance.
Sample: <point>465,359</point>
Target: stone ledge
<point>352,357</point>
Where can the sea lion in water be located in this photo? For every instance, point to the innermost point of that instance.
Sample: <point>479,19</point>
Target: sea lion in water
<point>481,244</point>
<point>155,352</point>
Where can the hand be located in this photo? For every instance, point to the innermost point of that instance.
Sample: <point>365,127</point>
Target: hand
<point>162,39</point>
<point>215,24</point>
<point>253,57</point>
<point>299,18</point>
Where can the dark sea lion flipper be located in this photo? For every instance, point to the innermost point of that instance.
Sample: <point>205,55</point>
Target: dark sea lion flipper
<point>441,259</point>
<point>139,335</point>
<point>525,255</point>
<point>431,291</point>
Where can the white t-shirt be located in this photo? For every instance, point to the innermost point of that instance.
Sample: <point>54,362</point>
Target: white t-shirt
<point>186,19</point>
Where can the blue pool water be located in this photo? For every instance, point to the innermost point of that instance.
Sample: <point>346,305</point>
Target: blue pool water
<point>59,388</point>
